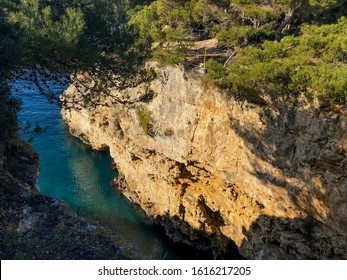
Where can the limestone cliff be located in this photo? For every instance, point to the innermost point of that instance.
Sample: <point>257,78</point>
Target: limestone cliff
<point>36,226</point>
<point>217,172</point>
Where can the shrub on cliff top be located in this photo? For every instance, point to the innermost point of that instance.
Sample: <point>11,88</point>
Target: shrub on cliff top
<point>313,64</point>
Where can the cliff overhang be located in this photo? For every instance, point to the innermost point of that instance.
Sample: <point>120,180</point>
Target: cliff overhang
<point>216,172</point>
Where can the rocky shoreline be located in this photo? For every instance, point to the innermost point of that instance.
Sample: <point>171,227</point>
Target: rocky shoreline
<point>268,179</point>
<point>36,226</point>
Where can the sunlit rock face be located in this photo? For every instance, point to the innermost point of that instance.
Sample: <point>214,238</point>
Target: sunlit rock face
<point>217,172</point>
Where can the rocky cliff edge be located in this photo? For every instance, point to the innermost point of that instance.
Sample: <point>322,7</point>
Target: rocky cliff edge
<point>268,181</point>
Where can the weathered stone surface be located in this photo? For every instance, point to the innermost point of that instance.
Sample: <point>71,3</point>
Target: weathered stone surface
<point>271,178</point>
<point>36,226</point>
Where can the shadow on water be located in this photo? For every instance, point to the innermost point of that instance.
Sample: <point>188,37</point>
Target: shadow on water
<point>74,173</point>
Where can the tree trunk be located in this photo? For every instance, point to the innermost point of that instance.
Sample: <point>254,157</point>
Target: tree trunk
<point>290,15</point>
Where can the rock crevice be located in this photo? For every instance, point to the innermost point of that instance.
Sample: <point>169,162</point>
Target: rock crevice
<point>226,171</point>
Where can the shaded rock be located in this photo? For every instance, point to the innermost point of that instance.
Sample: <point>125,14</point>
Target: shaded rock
<point>36,226</point>
<point>217,165</point>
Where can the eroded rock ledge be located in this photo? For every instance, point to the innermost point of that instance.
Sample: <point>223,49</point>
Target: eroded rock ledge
<point>216,172</point>
<point>35,226</point>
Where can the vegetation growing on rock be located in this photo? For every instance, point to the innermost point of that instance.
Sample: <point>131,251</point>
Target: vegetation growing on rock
<point>274,47</point>
<point>265,47</point>
<point>268,46</point>
<point>49,37</point>
<point>146,121</point>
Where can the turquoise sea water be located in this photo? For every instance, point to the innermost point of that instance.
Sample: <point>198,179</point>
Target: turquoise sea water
<point>72,172</point>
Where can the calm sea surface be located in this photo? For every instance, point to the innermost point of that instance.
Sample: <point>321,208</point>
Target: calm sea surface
<point>73,173</point>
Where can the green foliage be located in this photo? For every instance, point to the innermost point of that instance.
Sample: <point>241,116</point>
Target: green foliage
<point>173,25</point>
<point>233,36</point>
<point>313,64</point>
<point>46,40</point>
<point>9,107</point>
<point>63,36</point>
<point>281,46</point>
<point>146,22</point>
<point>236,23</point>
<point>216,72</point>
<point>170,57</point>
<point>146,121</point>
<point>9,43</point>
